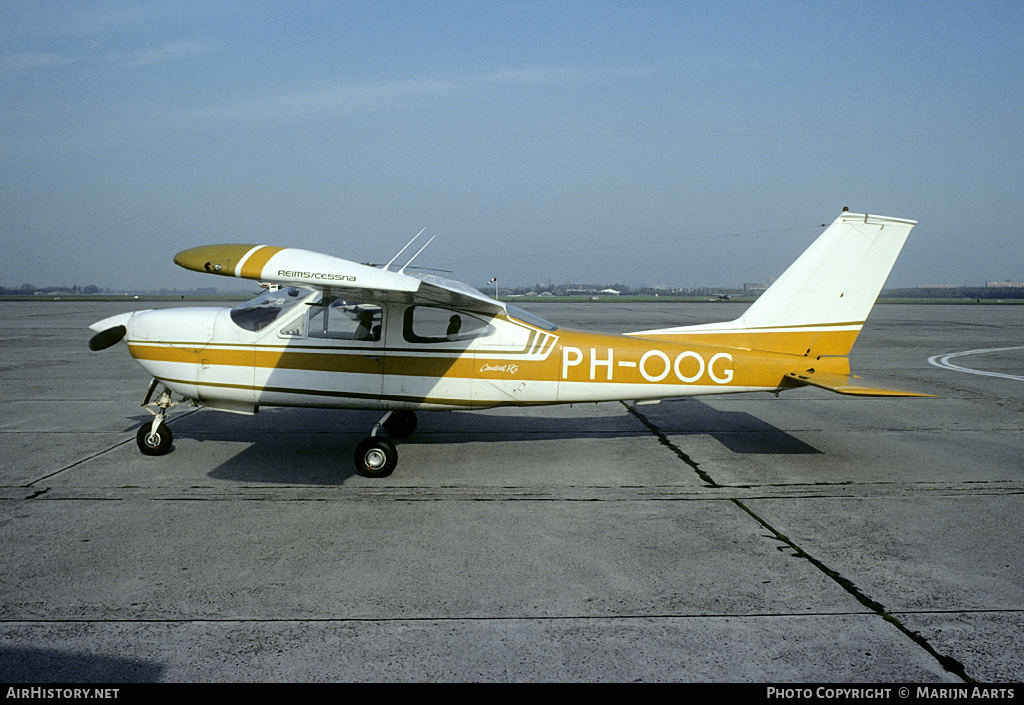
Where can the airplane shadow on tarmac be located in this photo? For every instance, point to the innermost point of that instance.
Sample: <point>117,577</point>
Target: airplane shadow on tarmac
<point>35,665</point>
<point>316,446</point>
<point>738,431</point>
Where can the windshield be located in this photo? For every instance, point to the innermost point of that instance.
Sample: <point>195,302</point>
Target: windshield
<point>527,317</point>
<point>266,308</point>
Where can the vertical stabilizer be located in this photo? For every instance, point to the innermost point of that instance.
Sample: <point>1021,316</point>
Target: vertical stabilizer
<point>818,305</point>
<point>837,279</point>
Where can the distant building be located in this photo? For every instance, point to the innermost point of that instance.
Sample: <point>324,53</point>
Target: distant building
<point>1005,285</point>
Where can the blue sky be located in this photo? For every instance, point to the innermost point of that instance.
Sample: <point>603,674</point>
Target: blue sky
<point>636,142</point>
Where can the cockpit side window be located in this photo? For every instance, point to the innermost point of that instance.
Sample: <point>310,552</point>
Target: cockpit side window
<point>257,314</point>
<point>345,320</point>
<point>430,324</point>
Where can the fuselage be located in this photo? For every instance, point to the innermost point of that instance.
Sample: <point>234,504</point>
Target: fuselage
<point>293,347</point>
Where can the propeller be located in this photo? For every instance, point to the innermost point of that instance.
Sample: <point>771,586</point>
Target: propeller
<point>104,339</point>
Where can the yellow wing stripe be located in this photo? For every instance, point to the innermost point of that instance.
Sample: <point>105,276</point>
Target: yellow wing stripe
<point>251,267</point>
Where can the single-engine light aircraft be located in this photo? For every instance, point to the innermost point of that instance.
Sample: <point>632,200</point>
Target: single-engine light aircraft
<point>332,333</point>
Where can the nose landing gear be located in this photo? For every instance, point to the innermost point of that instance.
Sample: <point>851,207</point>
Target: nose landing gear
<point>154,441</point>
<point>155,438</point>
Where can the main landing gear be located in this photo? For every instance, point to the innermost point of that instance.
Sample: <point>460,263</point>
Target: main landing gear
<point>377,456</point>
<point>154,438</point>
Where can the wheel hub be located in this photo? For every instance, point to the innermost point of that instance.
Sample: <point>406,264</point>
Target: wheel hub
<point>375,458</point>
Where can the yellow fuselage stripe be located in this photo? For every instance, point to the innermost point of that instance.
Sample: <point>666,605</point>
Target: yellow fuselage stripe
<point>577,357</point>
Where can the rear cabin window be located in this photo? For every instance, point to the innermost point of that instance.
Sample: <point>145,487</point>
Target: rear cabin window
<point>429,324</point>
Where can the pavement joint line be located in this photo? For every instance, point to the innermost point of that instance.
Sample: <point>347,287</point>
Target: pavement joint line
<point>79,462</point>
<point>509,618</point>
<point>511,493</point>
<point>947,662</point>
<point>664,440</point>
<point>387,620</point>
<point>95,455</point>
<point>75,464</point>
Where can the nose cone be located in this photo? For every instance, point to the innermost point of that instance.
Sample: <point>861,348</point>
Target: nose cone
<point>110,331</point>
<point>165,343</point>
<point>120,319</point>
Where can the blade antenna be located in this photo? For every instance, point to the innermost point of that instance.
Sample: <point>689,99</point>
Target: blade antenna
<point>404,249</point>
<point>417,254</point>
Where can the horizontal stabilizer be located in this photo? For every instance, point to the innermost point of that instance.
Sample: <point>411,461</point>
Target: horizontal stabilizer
<point>849,384</point>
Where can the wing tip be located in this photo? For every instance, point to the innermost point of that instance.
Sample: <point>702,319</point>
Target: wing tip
<point>214,259</point>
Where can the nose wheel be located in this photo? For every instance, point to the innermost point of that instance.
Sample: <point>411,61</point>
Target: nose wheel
<point>154,438</point>
<point>154,441</point>
<point>377,456</point>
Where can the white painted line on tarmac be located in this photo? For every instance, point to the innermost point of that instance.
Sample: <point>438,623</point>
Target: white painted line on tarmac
<point>943,362</point>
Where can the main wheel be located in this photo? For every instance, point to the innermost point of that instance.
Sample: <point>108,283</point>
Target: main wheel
<point>154,443</point>
<point>401,424</point>
<point>376,456</point>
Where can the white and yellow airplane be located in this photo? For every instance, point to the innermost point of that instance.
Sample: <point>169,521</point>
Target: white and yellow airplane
<point>334,333</point>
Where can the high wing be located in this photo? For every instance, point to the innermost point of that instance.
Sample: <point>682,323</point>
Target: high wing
<point>339,277</point>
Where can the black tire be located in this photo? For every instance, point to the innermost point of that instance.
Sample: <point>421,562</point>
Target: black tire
<point>376,456</point>
<point>401,424</point>
<point>158,443</point>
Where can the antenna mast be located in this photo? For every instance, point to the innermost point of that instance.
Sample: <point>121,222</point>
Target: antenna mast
<point>400,271</point>
<point>405,248</point>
